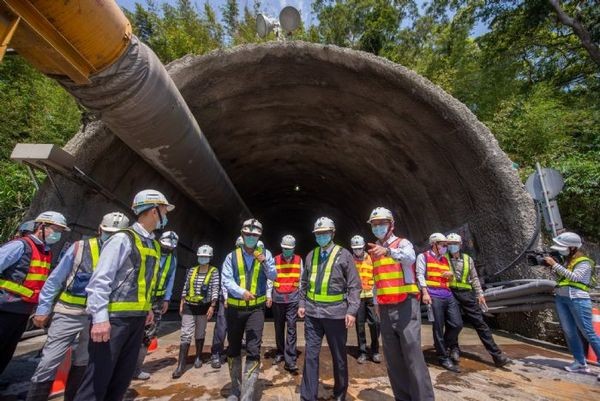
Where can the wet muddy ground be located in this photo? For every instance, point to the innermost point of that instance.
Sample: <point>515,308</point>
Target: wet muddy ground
<point>537,373</point>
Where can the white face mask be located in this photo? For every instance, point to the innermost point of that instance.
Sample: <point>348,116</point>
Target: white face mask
<point>565,252</point>
<point>203,260</point>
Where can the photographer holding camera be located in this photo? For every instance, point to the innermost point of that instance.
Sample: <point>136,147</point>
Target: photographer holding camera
<point>573,302</point>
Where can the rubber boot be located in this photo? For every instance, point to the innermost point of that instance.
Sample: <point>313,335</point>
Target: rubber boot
<point>250,380</point>
<point>73,382</point>
<point>235,372</point>
<point>199,346</point>
<point>183,351</point>
<point>39,391</point>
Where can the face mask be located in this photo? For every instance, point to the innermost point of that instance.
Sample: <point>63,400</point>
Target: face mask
<point>250,241</point>
<point>53,238</point>
<point>380,231</point>
<point>104,236</point>
<point>454,248</point>
<point>566,252</point>
<point>203,260</point>
<point>442,250</point>
<point>323,239</point>
<point>358,252</point>
<point>288,253</point>
<point>160,226</point>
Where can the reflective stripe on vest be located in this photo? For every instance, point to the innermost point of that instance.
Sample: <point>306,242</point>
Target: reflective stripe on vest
<point>251,286</point>
<point>161,286</point>
<point>192,296</point>
<point>288,274</point>
<point>565,282</point>
<point>365,271</point>
<point>388,274</point>
<point>463,284</point>
<point>322,295</point>
<point>78,300</point>
<point>39,269</point>
<point>144,294</point>
<point>434,271</point>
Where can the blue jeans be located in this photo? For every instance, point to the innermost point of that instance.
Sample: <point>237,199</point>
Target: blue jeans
<point>575,316</point>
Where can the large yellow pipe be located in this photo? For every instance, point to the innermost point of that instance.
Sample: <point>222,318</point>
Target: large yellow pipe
<point>66,38</point>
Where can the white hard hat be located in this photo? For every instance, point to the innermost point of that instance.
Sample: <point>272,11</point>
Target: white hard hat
<point>205,250</point>
<point>113,222</point>
<point>260,244</point>
<point>437,237</point>
<point>53,218</point>
<point>288,242</point>
<point>357,242</point>
<point>252,226</point>
<point>147,199</point>
<point>454,238</point>
<point>381,213</point>
<point>239,241</point>
<point>169,239</point>
<point>568,240</point>
<point>323,224</point>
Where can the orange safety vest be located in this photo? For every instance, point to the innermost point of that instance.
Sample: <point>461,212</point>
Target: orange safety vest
<point>288,274</point>
<point>435,269</point>
<point>389,279</point>
<point>39,269</point>
<point>365,271</point>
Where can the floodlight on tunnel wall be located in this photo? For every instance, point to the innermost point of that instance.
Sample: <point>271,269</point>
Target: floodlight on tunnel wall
<point>266,25</point>
<point>289,18</point>
<point>289,21</point>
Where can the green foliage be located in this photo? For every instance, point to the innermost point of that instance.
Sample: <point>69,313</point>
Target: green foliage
<point>36,110</point>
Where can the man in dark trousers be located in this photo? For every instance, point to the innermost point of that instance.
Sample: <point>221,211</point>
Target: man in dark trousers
<point>120,300</point>
<point>24,268</point>
<point>245,272</point>
<point>466,288</point>
<point>282,296</point>
<point>434,275</point>
<point>329,299</point>
<point>397,296</point>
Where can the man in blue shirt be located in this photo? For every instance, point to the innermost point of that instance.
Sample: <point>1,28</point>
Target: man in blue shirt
<point>120,299</point>
<point>66,287</point>
<point>24,267</point>
<point>244,275</point>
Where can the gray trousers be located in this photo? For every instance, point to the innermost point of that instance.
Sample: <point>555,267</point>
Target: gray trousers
<point>62,334</point>
<point>192,326</point>
<point>401,335</point>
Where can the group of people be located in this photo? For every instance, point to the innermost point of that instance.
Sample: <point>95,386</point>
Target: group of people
<point>107,295</point>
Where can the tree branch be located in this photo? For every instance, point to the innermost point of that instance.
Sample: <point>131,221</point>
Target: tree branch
<point>582,33</point>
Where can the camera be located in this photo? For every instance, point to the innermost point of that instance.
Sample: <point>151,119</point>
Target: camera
<point>536,258</point>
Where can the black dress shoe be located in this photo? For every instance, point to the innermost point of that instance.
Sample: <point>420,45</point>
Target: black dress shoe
<point>501,361</point>
<point>291,368</point>
<point>450,366</point>
<point>278,359</point>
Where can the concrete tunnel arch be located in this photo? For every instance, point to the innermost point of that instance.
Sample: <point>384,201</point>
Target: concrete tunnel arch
<point>351,130</point>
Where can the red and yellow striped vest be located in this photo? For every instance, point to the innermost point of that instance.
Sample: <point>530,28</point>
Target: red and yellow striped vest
<point>389,279</point>
<point>435,269</point>
<point>288,274</point>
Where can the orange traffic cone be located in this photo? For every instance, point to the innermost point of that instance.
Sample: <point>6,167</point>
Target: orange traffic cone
<point>153,345</point>
<point>62,374</point>
<point>591,356</point>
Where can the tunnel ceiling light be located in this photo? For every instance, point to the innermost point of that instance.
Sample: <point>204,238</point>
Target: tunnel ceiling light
<point>289,21</point>
<point>297,188</point>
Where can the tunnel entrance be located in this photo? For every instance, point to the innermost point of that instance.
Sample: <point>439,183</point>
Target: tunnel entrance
<point>305,130</point>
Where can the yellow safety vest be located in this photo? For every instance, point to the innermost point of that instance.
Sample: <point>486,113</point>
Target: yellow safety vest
<point>564,282</point>
<point>322,294</point>
<point>463,284</point>
<point>78,300</point>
